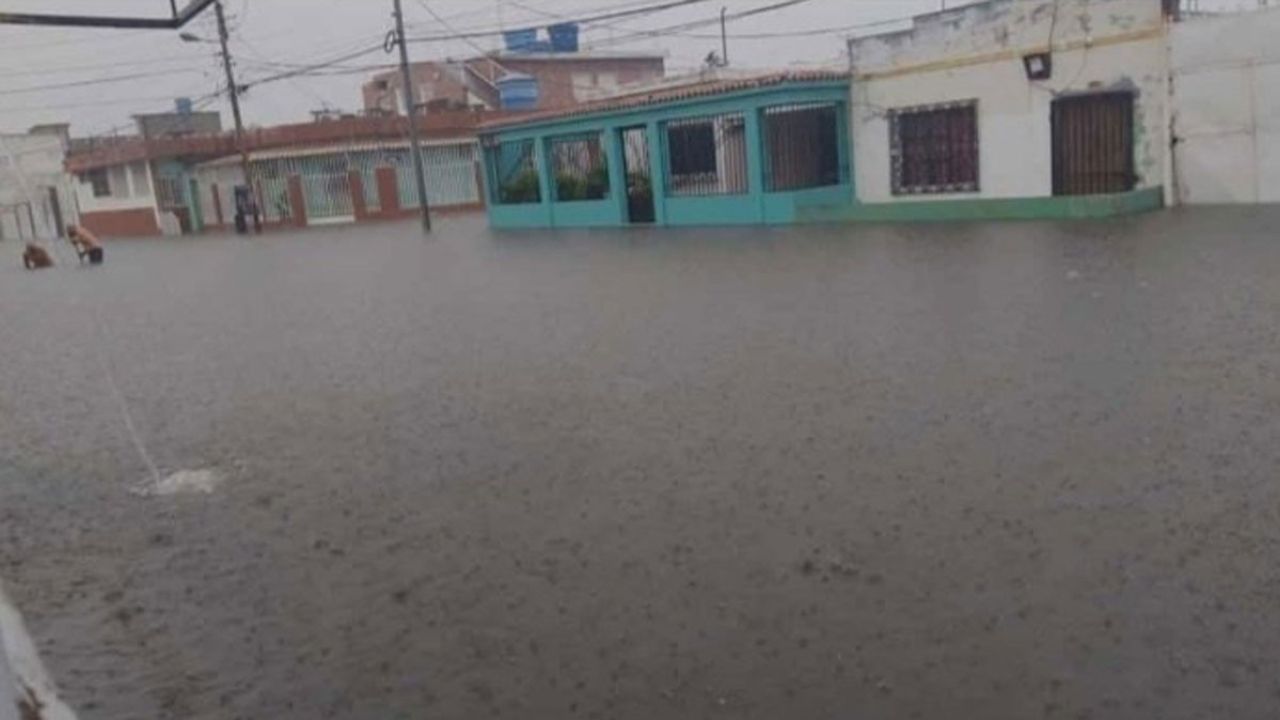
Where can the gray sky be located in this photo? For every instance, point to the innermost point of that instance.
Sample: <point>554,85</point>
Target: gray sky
<point>158,67</point>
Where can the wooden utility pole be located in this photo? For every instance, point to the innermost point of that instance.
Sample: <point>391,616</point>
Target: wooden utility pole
<point>410,107</point>
<point>233,91</point>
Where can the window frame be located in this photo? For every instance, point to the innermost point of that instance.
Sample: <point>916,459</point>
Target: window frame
<point>709,183</point>
<point>99,182</point>
<point>838,153</point>
<point>897,151</point>
<point>553,160</point>
<point>493,154</point>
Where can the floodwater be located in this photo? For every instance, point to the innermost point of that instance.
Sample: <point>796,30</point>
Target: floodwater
<point>989,471</point>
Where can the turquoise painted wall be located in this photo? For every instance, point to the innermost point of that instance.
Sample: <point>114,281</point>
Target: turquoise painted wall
<point>755,206</point>
<point>180,173</point>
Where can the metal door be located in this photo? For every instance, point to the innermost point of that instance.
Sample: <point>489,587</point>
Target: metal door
<point>1093,144</point>
<point>635,164</point>
<point>328,197</point>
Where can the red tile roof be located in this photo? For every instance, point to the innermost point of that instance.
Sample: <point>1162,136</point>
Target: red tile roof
<point>87,156</point>
<point>657,96</point>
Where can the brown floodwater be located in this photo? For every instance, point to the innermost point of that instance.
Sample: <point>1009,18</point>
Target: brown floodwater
<point>990,471</point>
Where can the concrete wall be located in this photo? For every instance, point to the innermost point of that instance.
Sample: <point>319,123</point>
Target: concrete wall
<point>30,166</point>
<point>130,210</point>
<point>563,79</point>
<point>976,53</point>
<point>1226,108</point>
<point>132,188</point>
<point>431,81</point>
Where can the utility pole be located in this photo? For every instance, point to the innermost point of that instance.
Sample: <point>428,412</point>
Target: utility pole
<point>724,37</point>
<point>234,91</point>
<point>410,107</point>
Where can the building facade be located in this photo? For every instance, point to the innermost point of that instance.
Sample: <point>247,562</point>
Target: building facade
<point>562,78</point>
<point>307,173</point>
<point>1226,108</point>
<point>119,199</point>
<point>719,151</point>
<point>1022,108</point>
<point>341,182</point>
<point>178,124</point>
<point>36,196</point>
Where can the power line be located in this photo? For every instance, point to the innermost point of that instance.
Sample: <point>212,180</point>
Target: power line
<point>445,23</point>
<point>645,10</point>
<point>313,68</point>
<point>57,70</point>
<point>675,29</point>
<point>95,81</point>
<point>308,69</point>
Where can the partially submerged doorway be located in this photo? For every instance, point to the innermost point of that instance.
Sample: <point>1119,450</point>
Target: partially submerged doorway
<point>639,174</point>
<point>1093,144</point>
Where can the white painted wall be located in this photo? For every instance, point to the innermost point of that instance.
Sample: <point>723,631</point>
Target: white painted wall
<point>975,52</point>
<point>1226,108</point>
<point>225,177</point>
<point>30,165</point>
<point>132,187</point>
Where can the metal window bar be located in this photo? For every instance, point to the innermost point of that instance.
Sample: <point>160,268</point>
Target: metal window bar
<point>328,196</point>
<point>580,168</point>
<point>802,146</point>
<point>707,156</point>
<point>326,186</point>
<point>1093,144</point>
<point>451,176</point>
<point>935,149</point>
<point>638,174</point>
<point>515,171</point>
<point>274,194</point>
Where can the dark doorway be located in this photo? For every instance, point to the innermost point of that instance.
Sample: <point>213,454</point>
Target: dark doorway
<point>636,165</point>
<point>1093,144</point>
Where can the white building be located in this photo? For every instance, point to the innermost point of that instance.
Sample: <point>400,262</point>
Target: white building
<point>118,199</point>
<point>36,200</point>
<point>1226,108</point>
<point>1014,108</point>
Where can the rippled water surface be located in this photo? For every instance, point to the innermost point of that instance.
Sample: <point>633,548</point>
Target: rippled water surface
<point>946,471</point>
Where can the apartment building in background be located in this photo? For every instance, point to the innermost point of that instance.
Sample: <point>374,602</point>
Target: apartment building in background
<point>555,80</point>
<point>528,74</point>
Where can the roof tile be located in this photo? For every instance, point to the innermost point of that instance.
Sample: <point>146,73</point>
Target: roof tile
<point>658,96</point>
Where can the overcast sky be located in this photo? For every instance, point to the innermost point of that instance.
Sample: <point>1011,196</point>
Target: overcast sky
<point>108,75</point>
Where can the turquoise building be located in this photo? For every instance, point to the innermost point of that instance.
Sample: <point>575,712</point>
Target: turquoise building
<point>772,149</point>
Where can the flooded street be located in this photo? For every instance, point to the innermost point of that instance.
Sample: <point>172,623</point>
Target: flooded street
<point>1013,470</point>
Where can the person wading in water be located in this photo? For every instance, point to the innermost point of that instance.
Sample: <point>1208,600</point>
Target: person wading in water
<point>36,257</point>
<point>86,244</point>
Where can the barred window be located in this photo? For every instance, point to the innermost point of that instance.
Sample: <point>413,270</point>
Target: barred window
<point>707,156</point>
<point>803,146</point>
<point>97,178</point>
<point>935,149</point>
<point>580,167</point>
<point>514,166</point>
